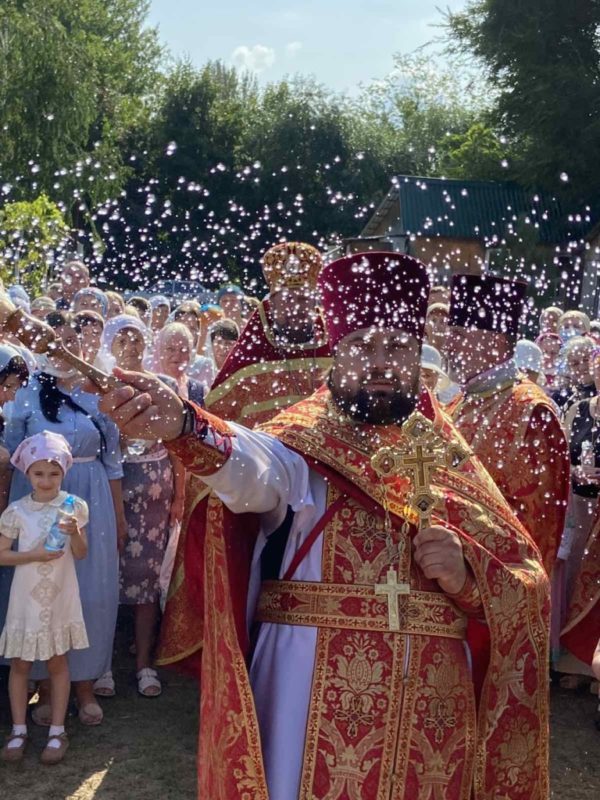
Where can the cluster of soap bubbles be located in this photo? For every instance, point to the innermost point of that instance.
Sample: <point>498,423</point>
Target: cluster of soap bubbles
<point>149,230</point>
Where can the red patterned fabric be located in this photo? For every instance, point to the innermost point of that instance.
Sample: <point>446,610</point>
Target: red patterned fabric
<point>487,302</point>
<point>384,720</point>
<point>256,347</point>
<point>256,382</point>
<point>518,438</point>
<point>384,290</point>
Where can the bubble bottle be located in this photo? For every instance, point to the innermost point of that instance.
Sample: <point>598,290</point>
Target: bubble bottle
<point>56,539</point>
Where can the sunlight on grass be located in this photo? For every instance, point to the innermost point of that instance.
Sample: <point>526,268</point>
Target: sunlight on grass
<point>90,786</point>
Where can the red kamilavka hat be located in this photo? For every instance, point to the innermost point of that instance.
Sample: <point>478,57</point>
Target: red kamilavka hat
<point>487,302</point>
<point>382,290</point>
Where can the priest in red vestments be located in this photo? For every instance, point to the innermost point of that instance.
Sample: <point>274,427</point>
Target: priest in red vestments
<point>507,420</point>
<point>336,648</point>
<point>282,353</point>
<point>281,357</point>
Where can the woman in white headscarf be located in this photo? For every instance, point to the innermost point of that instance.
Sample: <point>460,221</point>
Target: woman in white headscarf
<point>90,326</point>
<point>14,374</point>
<point>153,495</point>
<point>173,355</point>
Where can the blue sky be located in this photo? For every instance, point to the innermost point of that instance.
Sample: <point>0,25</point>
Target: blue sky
<point>341,42</point>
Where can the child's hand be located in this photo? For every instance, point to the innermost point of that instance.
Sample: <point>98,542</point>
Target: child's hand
<point>40,553</point>
<point>68,525</point>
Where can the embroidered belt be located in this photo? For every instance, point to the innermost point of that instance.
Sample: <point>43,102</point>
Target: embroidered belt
<point>357,607</point>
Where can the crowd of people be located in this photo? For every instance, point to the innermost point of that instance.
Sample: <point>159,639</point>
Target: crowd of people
<point>527,408</point>
<point>133,489</point>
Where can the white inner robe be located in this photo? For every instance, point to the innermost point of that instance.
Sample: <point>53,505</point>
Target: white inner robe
<point>264,477</point>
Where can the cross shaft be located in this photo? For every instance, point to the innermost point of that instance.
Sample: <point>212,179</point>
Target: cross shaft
<point>392,591</point>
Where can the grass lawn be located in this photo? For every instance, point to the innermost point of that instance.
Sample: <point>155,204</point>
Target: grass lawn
<point>145,749</point>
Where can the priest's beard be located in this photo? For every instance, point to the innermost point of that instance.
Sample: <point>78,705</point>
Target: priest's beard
<point>392,407</point>
<point>294,334</point>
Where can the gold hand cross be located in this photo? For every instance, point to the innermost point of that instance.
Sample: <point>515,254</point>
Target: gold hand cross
<point>424,451</point>
<point>421,462</point>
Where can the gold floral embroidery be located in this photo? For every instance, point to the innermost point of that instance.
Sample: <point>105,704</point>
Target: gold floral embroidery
<point>398,750</point>
<point>368,527</point>
<point>359,681</point>
<point>348,764</point>
<point>444,689</point>
<point>436,768</point>
<point>45,592</point>
<point>517,757</point>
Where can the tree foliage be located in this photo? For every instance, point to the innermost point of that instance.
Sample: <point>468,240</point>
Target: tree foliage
<point>73,78</point>
<point>229,168</point>
<point>478,153</point>
<point>31,233</point>
<point>422,103</point>
<point>543,59</point>
<point>177,169</point>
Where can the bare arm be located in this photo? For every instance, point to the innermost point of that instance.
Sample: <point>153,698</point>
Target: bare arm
<point>117,495</point>
<point>596,662</point>
<point>79,546</point>
<point>78,537</point>
<point>5,478</point>
<point>12,558</point>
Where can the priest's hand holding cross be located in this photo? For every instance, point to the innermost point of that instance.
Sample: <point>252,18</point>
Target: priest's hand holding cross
<point>438,551</point>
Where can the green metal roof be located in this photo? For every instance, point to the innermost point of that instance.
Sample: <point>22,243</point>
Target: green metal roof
<point>483,210</point>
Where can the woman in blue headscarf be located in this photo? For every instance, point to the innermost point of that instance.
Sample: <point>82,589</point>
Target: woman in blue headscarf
<point>91,299</point>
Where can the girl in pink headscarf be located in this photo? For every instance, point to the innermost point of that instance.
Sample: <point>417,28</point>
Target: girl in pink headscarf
<point>44,619</point>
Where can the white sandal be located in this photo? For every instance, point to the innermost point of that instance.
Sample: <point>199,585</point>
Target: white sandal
<point>105,685</point>
<point>147,678</point>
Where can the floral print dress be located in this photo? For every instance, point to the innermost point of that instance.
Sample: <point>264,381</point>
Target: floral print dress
<point>148,488</point>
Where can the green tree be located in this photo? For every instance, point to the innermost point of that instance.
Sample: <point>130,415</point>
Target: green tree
<point>543,59</point>
<point>199,119</point>
<point>420,104</point>
<point>73,78</point>
<point>478,153</point>
<point>31,233</point>
<point>228,168</point>
<point>177,215</point>
<point>312,169</point>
